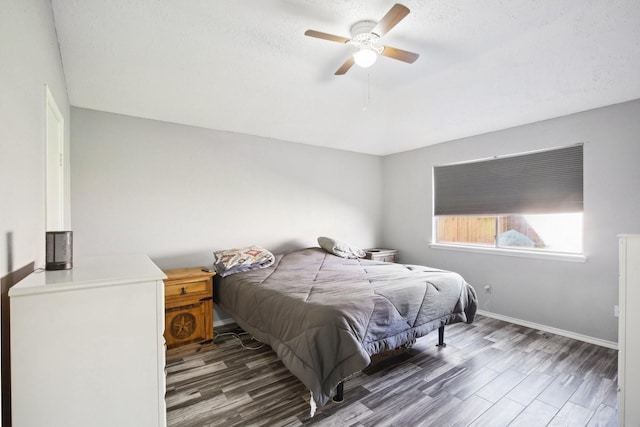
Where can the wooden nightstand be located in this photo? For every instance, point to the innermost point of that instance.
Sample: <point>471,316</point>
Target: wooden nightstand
<point>188,297</point>
<point>385,255</point>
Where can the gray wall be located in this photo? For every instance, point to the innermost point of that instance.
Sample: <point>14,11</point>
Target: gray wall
<point>29,59</point>
<point>177,193</point>
<point>577,297</point>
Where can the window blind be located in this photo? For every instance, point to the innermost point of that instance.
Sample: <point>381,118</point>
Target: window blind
<point>541,182</point>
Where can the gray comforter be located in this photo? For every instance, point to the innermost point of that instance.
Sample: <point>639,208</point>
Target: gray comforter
<point>325,316</point>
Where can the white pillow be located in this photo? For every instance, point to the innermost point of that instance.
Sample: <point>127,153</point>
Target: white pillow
<point>340,249</point>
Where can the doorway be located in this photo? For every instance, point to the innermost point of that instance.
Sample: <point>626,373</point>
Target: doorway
<point>54,137</point>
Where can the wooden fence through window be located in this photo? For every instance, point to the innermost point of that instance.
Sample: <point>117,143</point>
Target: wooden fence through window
<point>482,229</point>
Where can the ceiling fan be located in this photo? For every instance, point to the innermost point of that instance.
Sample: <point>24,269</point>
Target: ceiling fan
<point>365,35</point>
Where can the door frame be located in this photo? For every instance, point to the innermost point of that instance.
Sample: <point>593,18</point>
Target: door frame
<point>54,164</point>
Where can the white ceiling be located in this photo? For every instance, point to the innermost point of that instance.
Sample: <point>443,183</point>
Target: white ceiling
<point>246,66</point>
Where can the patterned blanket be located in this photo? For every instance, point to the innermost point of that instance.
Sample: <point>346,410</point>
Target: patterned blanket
<point>233,261</point>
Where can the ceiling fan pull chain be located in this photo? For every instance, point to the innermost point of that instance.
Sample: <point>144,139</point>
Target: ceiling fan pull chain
<point>368,88</point>
<point>367,93</point>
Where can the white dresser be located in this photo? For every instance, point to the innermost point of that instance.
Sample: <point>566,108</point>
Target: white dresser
<point>87,346</point>
<point>629,332</point>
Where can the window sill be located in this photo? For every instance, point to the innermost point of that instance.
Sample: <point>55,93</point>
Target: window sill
<point>554,256</point>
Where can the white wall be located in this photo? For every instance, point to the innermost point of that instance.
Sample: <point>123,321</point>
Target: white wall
<point>178,193</point>
<point>29,59</point>
<point>577,297</point>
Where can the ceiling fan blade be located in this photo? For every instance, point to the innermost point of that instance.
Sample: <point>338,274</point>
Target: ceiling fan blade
<point>345,67</point>
<point>399,54</point>
<point>325,36</point>
<point>395,15</point>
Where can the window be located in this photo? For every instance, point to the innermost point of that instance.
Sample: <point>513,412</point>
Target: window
<point>527,202</point>
<point>544,232</point>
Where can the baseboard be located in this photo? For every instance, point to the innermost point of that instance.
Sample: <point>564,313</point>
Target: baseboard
<point>552,330</point>
<point>532,325</point>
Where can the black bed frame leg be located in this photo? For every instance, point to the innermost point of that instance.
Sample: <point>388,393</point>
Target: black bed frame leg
<point>339,396</point>
<point>441,342</point>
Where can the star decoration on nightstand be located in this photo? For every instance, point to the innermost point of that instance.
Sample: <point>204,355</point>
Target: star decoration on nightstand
<point>183,325</point>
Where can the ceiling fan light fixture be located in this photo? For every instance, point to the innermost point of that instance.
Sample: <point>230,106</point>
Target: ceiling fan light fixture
<point>365,36</point>
<point>365,57</point>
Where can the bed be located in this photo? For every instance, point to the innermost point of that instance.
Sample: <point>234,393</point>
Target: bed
<point>325,316</point>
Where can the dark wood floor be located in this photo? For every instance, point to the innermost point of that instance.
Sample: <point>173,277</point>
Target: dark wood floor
<point>491,373</point>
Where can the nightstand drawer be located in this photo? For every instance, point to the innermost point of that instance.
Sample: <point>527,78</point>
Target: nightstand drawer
<point>187,288</point>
